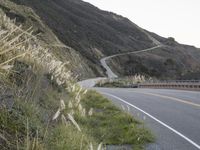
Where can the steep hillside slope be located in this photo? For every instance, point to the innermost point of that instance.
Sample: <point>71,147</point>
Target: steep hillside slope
<point>95,33</point>
<point>27,17</point>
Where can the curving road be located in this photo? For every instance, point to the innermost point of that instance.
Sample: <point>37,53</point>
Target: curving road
<point>172,115</point>
<point>109,72</point>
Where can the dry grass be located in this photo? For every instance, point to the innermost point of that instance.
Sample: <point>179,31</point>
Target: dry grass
<point>12,43</point>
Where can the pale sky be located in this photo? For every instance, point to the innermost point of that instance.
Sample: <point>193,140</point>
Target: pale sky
<point>169,18</point>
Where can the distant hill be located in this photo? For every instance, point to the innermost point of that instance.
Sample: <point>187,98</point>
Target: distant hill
<point>93,34</point>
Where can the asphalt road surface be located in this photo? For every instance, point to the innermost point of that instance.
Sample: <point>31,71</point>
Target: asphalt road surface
<point>172,115</point>
<point>89,83</point>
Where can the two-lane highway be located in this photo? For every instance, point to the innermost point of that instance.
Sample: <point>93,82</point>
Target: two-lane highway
<point>172,115</point>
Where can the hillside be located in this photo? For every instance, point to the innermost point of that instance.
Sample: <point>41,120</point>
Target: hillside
<point>94,33</point>
<point>166,63</point>
<point>28,18</point>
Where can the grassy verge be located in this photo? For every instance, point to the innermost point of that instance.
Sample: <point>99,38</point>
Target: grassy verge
<point>29,125</point>
<point>110,125</point>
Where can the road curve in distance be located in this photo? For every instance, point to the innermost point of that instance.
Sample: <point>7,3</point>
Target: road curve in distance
<point>109,71</point>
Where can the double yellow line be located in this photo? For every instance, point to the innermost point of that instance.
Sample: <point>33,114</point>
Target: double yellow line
<point>170,98</point>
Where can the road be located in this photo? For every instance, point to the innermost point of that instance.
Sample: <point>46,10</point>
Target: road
<point>104,60</point>
<point>89,83</point>
<point>172,115</point>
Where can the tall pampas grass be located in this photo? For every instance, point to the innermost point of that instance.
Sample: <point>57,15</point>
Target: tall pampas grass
<point>17,43</point>
<point>13,45</point>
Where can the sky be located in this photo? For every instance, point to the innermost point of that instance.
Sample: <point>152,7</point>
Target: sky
<point>169,18</point>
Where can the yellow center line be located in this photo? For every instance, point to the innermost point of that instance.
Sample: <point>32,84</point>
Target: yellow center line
<point>171,98</point>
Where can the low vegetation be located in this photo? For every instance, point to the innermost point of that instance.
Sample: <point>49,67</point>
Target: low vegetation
<point>126,82</point>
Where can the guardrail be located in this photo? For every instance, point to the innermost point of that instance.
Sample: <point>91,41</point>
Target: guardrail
<point>177,84</point>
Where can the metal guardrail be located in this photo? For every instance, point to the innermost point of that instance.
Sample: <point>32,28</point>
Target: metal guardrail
<point>176,84</point>
<point>167,84</point>
<point>177,81</point>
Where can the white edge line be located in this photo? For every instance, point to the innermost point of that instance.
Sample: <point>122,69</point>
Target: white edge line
<point>154,118</point>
